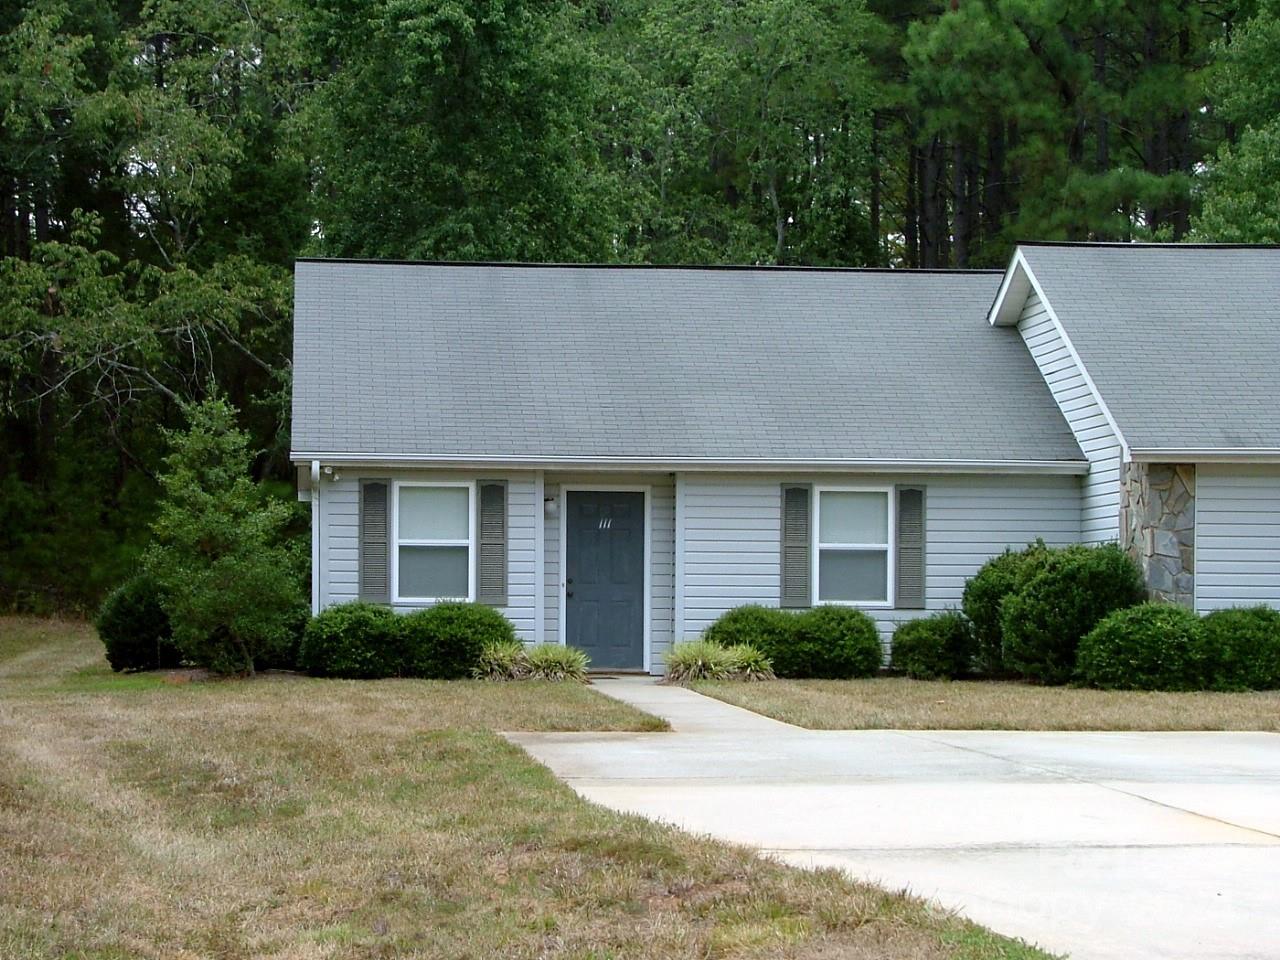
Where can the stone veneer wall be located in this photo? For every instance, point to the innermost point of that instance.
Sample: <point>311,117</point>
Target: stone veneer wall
<point>1158,527</point>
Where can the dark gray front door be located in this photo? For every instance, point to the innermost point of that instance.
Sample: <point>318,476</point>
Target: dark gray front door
<point>604,577</point>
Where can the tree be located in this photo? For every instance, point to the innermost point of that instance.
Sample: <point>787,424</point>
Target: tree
<point>455,131</point>
<point>230,572</point>
<point>1241,194</point>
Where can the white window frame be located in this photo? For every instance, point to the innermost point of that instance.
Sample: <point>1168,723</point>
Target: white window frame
<point>397,543</point>
<point>890,548</point>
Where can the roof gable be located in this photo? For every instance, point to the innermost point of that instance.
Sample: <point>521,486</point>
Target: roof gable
<point>1181,342</point>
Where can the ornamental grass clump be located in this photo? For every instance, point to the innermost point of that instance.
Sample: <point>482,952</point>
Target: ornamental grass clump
<point>502,660</point>
<point>551,661</point>
<point>707,660</point>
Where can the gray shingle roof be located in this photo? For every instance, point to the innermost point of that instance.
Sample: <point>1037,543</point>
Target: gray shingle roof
<point>555,361</point>
<point>1183,342</point>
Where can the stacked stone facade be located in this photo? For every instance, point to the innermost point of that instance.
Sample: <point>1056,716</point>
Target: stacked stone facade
<point>1158,527</point>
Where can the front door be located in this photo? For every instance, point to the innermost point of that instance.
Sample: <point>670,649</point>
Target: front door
<point>604,577</point>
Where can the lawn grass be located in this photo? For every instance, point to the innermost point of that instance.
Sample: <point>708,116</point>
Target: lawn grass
<point>896,703</point>
<point>296,819</point>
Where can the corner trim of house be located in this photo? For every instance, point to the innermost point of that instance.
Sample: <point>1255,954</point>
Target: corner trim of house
<point>315,537</point>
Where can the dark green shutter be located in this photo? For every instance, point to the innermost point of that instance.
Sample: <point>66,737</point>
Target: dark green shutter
<point>910,549</point>
<point>491,545</point>
<point>375,541</point>
<point>797,544</point>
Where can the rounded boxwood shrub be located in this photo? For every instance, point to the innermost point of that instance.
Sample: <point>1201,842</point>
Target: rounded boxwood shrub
<point>1153,646</point>
<point>984,597</point>
<point>934,648</point>
<point>445,642</point>
<point>1044,620</point>
<point>134,627</point>
<point>829,643</point>
<point>355,640</point>
<point>765,628</point>
<point>1245,645</point>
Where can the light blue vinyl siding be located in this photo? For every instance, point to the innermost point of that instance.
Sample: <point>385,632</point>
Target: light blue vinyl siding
<point>731,534</point>
<point>1237,536</point>
<point>1100,500</point>
<point>339,522</point>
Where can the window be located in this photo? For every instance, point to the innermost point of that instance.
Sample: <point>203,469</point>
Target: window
<point>434,534</point>
<point>852,549</point>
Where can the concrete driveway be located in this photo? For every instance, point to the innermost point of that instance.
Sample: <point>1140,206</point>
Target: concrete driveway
<point>1097,845</point>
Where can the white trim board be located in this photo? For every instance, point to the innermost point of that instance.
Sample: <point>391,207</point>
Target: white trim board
<point>647,490</point>
<point>701,464</point>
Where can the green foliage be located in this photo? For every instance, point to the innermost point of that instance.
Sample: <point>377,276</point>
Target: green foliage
<point>229,570</point>
<point>1151,646</point>
<point>551,661</point>
<point>134,627</point>
<point>354,640</point>
<point>1044,621</point>
<point>708,660</point>
<point>984,596</point>
<point>445,641</point>
<point>830,643</point>
<point>937,647</point>
<point>502,660</point>
<point>1244,647</point>
<point>765,628</point>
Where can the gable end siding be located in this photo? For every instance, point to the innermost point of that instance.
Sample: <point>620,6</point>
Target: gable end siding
<point>1100,493</point>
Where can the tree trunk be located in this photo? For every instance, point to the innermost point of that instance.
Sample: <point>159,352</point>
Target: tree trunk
<point>875,186</point>
<point>911,215</point>
<point>960,168</point>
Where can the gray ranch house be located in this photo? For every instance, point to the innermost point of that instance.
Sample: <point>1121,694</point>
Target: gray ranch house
<point>616,455</point>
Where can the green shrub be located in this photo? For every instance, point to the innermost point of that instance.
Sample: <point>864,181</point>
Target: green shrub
<point>551,661</point>
<point>830,643</point>
<point>765,628</point>
<point>708,660</point>
<point>444,642</point>
<point>502,660</point>
<point>229,565</point>
<point>355,640</point>
<point>984,597</point>
<point>134,627</point>
<point>1154,646</point>
<point>934,648</point>
<point>1244,643</point>
<point>1044,620</point>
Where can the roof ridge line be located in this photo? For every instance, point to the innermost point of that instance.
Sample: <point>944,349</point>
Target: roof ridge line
<point>741,267</point>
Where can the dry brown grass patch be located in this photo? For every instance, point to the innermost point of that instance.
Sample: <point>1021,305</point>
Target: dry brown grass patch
<point>895,703</point>
<point>328,820</point>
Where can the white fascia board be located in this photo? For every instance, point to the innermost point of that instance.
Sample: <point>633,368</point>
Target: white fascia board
<point>702,464</point>
<point>1206,454</point>
<point>1013,292</point>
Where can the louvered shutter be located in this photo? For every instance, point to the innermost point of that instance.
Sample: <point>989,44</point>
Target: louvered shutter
<point>491,546</point>
<point>796,546</point>
<point>375,541</point>
<point>910,549</point>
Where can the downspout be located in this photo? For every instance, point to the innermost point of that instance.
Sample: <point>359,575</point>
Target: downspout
<point>315,537</point>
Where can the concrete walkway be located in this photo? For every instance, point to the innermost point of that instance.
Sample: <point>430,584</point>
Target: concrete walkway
<point>1100,845</point>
